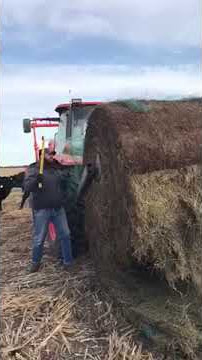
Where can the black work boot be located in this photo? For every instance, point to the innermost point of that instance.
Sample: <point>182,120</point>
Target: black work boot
<point>34,267</point>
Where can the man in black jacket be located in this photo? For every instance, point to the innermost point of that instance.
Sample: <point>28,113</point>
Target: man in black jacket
<point>48,200</point>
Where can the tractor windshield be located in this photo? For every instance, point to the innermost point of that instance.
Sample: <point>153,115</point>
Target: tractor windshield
<point>72,128</point>
<point>61,135</point>
<point>80,118</point>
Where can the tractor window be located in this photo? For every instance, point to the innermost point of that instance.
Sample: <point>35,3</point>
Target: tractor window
<point>61,134</point>
<point>80,118</point>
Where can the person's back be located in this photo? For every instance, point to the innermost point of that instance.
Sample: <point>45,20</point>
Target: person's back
<point>50,195</point>
<point>48,200</point>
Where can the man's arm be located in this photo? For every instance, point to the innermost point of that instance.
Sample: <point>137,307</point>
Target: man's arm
<point>31,180</point>
<point>24,198</point>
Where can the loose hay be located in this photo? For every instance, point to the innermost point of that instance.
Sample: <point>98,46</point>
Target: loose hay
<point>169,235</point>
<point>121,348</point>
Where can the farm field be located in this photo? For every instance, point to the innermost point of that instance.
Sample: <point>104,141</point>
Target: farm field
<point>53,314</point>
<point>101,181</point>
<point>8,171</point>
<point>141,282</point>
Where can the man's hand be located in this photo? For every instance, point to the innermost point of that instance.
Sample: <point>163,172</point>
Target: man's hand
<point>39,179</point>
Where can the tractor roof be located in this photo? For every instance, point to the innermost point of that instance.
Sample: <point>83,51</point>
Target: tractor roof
<point>62,107</point>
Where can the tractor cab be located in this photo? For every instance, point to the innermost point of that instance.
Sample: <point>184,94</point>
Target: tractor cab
<point>72,125</point>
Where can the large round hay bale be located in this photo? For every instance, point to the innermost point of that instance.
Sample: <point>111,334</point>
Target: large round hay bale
<point>147,207</point>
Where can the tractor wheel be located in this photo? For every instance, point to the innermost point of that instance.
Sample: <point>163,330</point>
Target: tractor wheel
<point>26,125</point>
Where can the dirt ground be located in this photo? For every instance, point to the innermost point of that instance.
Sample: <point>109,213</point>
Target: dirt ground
<point>52,314</point>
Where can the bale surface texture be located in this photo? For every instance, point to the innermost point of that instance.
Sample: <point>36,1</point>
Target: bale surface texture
<point>147,207</point>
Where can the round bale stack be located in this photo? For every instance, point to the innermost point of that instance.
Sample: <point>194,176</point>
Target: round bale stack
<point>147,207</point>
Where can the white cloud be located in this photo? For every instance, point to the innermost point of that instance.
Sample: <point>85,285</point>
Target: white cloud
<point>36,91</point>
<point>166,22</point>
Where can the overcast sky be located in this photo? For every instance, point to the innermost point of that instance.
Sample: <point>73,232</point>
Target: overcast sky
<point>101,50</point>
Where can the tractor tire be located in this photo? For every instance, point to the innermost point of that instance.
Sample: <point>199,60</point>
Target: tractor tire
<point>26,125</point>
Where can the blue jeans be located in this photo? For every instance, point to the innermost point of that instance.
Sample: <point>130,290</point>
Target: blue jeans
<point>42,218</point>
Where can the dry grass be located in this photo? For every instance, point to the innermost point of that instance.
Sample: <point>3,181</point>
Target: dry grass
<point>169,234</point>
<point>170,320</point>
<point>123,347</point>
<point>52,314</point>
